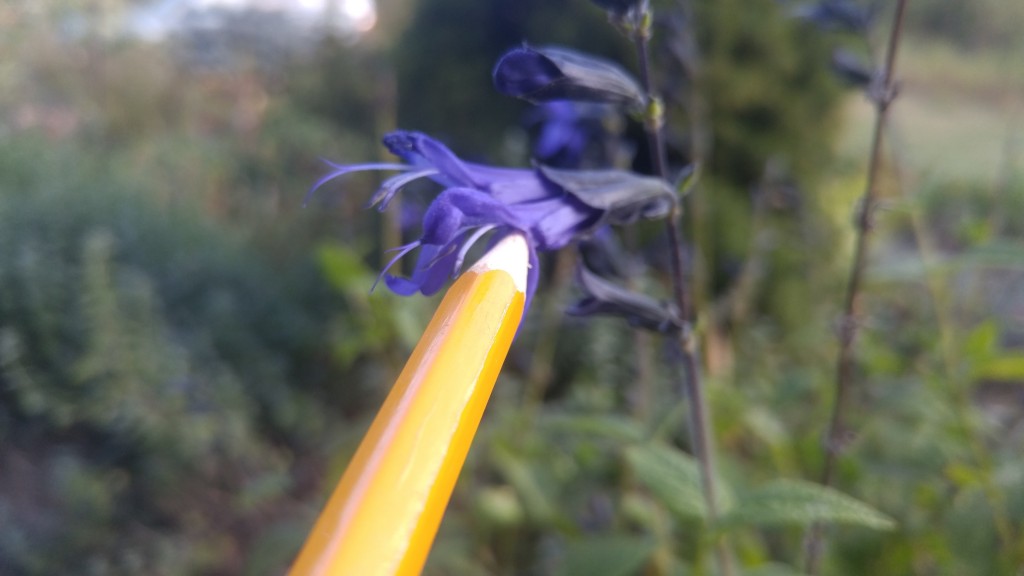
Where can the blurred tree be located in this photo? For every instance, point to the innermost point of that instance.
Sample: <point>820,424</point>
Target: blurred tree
<point>772,109</point>
<point>770,91</point>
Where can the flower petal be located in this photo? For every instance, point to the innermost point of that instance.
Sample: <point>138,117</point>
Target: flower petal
<point>624,197</point>
<point>454,212</point>
<point>603,254</point>
<point>842,15</point>
<point>550,73</point>
<point>605,298</point>
<point>555,222</point>
<point>506,184</point>
<point>429,276</point>
<point>422,151</point>
<point>522,72</point>
<point>458,209</point>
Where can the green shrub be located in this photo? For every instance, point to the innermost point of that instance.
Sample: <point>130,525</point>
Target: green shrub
<point>154,372</point>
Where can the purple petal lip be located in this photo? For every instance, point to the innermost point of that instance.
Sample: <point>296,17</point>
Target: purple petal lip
<point>551,209</point>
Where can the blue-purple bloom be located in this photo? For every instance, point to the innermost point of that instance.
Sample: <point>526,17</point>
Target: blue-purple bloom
<point>844,15</point>
<point>603,298</point>
<point>553,73</point>
<point>570,131</point>
<point>550,207</point>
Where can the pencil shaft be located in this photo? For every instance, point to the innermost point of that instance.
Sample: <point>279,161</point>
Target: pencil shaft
<point>384,514</point>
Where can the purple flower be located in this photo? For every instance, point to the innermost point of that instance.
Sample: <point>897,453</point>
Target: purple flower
<point>603,298</point>
<point>571,132</point>
<point>550,207</point>
<point>545,74</point>
<point>843,15</point>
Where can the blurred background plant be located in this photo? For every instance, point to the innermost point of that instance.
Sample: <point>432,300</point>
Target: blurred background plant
<point>188,358</point>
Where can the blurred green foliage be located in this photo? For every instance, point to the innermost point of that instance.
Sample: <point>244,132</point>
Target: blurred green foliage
<point>167,372</point>
<point>187,359</point>
<point>153,369</point>
<point>974,25</point>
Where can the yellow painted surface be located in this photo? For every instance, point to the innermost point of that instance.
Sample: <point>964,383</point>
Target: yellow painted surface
<point>382,517</point>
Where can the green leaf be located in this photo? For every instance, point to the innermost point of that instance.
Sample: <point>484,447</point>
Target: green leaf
<point>344,268</point>
<point>982,341</point>
<point>803,503</point>
<point>672,477</point>
<point>988,363</point>
<point>773,569</point>
<point>963,475</point>
<point>520,474</point>
<point>607,556</point>
<point>1003,368</point>
<point>687,179</point>
<point>606,426</point>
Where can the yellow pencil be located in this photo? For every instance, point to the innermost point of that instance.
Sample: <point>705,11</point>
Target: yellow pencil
<point>384,513</point>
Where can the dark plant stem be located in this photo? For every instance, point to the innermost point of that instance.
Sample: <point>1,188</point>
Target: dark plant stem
<point>700,417</point>
<point>652,122</point>
<point>835,439</point>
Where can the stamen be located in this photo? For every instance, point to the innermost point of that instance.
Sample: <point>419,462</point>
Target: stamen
<point>402,251</point>
<point>448,248</point>
<point>392,185</point>
<point>341,170</point>
<point>468,244</point>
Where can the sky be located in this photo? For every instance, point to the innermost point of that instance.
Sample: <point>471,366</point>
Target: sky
<point>156,19</point>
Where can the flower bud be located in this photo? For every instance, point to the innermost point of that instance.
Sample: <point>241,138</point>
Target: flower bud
<point>545,74</point>
<point>624,197</point>
<point>607,299</point>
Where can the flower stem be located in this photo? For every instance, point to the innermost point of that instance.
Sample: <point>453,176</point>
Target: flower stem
<point>700,417</point>
<point>837,432</point>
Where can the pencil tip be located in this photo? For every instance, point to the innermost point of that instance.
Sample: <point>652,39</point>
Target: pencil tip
<point>512,255</point>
